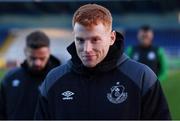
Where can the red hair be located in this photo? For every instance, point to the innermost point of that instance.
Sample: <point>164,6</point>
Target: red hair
<point>92,14</point>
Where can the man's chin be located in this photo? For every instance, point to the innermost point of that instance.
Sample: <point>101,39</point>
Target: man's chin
<point>37,70</point>
<point>89,65</point>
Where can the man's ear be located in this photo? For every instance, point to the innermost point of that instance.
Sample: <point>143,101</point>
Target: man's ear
<point>49,50</point>
<point>73,33</point>
<point>113,37</point>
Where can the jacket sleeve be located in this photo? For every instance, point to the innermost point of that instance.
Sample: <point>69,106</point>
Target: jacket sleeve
<point>44,106</point>
<point>129,51</point>
<point>2,100</point>
<point>42,109</point>
<point>154,104</point>
<point>163,66</point>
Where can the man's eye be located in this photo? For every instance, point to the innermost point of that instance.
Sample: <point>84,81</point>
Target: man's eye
<point>32,58</point>
<point>80,40</point>
<point>95,40</point>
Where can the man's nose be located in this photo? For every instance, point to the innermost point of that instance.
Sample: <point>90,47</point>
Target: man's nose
<point>37,62</point>
<point>87,46</point>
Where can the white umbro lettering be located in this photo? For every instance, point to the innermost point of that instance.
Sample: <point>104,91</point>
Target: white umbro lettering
<point>68,95</point>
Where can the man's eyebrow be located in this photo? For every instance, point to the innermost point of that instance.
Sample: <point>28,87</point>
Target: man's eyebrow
<point>96,37</point>
<point>79,38</point>
<point>93,37</point>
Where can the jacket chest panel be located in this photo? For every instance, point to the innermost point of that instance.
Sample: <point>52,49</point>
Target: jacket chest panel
<point>97,96</point>
<point>147,56</point>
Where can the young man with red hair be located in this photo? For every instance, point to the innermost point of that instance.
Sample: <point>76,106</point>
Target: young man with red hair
<point>100,81</point>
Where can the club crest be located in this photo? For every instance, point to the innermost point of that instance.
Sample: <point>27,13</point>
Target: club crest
<point>117,94</point>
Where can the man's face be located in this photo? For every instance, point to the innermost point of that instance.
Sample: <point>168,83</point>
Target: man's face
<point>37,58</point>
<point>145,37</point>
<point>92,43</point>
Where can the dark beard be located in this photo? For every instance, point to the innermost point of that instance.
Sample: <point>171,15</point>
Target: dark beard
<point>36,72</point>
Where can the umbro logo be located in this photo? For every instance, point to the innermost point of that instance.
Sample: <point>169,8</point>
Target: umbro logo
<point>15,83</point>
<point>67,95</point>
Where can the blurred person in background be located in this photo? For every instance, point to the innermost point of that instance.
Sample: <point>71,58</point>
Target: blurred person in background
<point>20,87</point>
<point>150,55</point>
<point>100,81</point>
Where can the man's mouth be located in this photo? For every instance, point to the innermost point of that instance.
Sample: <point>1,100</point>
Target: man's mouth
<point>88,57</point>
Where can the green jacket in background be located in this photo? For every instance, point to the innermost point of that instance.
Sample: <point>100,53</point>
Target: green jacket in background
<point>145,55</point>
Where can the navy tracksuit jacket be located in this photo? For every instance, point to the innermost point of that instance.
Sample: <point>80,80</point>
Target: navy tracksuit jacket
<point>117,88</point>
<point>19,91</point>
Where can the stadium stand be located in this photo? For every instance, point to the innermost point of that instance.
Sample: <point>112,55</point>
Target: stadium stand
<point>3,34</point>
<point>168,39</point>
